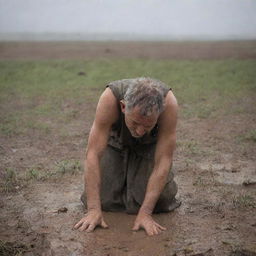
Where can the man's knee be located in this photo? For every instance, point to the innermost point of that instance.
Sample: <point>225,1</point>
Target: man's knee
<point>167,201</point>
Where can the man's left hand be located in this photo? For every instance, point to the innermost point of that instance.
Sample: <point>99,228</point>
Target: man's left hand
<point>145,221</point>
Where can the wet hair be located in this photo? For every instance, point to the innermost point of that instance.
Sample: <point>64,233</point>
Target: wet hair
<point>147,93</point>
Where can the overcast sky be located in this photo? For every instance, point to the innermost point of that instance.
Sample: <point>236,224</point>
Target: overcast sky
<point>143,17</point>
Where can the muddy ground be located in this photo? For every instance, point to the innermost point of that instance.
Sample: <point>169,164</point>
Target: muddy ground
<point>214,168</point>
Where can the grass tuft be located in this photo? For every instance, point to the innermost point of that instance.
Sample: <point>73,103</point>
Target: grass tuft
<point>251,136</point>
<point>244,201</point>
<point>67,166</point>
<point>10,180</point>
<point>12,249</point>
<point>32,174</point>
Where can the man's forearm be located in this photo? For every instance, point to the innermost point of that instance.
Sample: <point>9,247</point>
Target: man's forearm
<point>92,179</point>
<point>156,184</point>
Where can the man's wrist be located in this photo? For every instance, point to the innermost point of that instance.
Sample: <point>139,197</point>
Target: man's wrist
<point>96,208</point>
<point>145,210</point>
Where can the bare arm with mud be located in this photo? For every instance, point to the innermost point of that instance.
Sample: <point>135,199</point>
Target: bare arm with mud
<point>162,163</point>
<point>106,115</point>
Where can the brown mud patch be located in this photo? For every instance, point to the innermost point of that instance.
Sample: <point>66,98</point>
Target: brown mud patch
<point>209,221</point>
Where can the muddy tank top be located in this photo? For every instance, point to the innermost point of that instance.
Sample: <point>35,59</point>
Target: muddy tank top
<point>120,136</point>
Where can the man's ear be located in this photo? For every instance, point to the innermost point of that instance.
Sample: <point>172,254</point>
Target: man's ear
<point>122,105</point>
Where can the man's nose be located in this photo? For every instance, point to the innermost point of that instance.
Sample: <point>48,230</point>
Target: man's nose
<point>140,130</point>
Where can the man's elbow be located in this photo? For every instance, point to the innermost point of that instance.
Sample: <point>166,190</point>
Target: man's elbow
<point>92,155</point>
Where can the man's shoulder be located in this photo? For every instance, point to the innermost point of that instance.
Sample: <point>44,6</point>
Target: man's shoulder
<point>168,118</point>
<point>170,100</point>
<point>108,108</point>
<point>119,87</point>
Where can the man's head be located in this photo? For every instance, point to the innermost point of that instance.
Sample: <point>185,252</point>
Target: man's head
<point>142,105</point>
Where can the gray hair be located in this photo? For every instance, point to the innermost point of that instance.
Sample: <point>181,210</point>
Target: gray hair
<point>147,93</point>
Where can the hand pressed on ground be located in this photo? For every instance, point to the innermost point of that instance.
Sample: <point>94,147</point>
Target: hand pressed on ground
<point>145,221</point>
<point>90,221</point>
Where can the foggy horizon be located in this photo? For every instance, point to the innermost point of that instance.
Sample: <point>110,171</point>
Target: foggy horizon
<point>128,20</point>
<point>117,37</point>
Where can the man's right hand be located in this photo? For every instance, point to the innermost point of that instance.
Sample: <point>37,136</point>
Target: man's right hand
<point>90,221</point>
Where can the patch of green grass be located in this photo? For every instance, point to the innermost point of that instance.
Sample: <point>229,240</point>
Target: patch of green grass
<point>30,90</point>
<point>21,123</point>
<point>43,127</point>
<point>70,166</point>
<point>60,168</point>
<point>205,111</point>
<point>10,180</point>
<point>244,201</point>
<point>193,81</point>
<point>238,250</point>
<point>190,147</point>
<point>8,129</point>
<point>12,249</point>
<point>199,182</point>
<point>251,136</point>
<point>13,179</point>
<point>9,125</point>
<point>32,174</point>
<point>67,166</point>
<point>189,162</point>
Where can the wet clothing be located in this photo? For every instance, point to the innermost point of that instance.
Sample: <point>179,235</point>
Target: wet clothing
<point>127,163</point>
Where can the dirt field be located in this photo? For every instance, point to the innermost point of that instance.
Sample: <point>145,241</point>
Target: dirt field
<point>160,50</point>
<point>216,173</point>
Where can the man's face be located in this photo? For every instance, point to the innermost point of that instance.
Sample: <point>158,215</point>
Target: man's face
<point>137,124</point>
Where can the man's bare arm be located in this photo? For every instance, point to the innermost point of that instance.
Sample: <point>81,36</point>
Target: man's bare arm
<point>106,115</point>
<point>162,164</point>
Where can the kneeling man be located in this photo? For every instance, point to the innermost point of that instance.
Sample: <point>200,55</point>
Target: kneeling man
<point>129,154</point>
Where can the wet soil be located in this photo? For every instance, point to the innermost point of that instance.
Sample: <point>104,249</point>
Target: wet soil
<point>216,177</point>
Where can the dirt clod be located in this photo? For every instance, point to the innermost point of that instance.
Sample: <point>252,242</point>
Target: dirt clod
<point>62,209</point>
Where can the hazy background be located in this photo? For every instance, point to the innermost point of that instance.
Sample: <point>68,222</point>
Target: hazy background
<point>127,19</point>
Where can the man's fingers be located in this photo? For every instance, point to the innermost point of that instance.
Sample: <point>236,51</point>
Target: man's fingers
<point>149,232</point>
<point>90,228</point>
<point>161,227</point>
<point>78,224</point>
<point>156,231</point>
<point>84,226</point>
<point>153,230</point>
<point>136,227</point>
<point>104,224</point>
